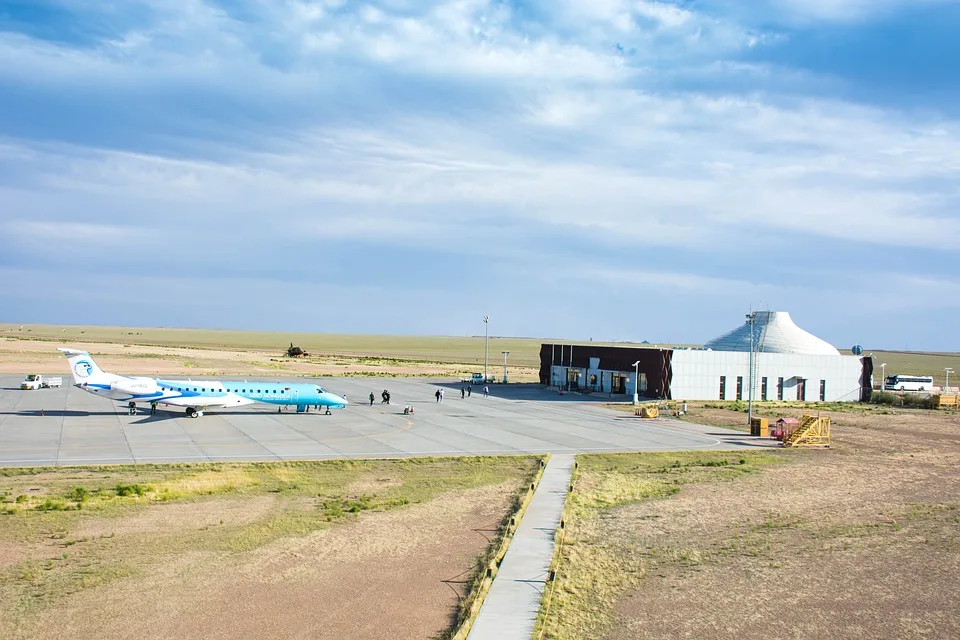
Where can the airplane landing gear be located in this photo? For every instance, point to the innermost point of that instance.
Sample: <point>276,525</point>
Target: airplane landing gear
<point>193,413</point>
<point>327,412</point>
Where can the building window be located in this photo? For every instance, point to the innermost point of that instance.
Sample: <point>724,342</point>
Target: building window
<point>763,389</point>
<point>801,390</point>
<point>823,390</point>
<point>779,388</point>
<point>723,387</point>
<point>739,387</point>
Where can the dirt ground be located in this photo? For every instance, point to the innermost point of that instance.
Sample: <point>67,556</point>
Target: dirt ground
<point>40,356</point>
<point>380,577</point>
<point>860,540</point>
<point>358,549</point>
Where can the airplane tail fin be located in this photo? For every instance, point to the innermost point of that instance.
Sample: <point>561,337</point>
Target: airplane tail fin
<point>84,368</point>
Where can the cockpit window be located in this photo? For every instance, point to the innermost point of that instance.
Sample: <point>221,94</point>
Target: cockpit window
<point>320,390</point>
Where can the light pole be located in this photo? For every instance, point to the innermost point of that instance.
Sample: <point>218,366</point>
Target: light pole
<point>636,382</point>
<point>504,353</point>
<point>486,349</point>
<point>948,371</point>
<point>750,317</point>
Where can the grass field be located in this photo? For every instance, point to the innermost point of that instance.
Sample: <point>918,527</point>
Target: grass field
<point>467,350</point>
<point>69,535</point>
<point>861,540</point>
<point>524,352</point>
<point>914,363</point>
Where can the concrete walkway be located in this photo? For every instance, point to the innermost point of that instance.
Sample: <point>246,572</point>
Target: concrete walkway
<point>510,608</point>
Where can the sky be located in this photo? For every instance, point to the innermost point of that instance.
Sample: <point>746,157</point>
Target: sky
<point>605,169</point>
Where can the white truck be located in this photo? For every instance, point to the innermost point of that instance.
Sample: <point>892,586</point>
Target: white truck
<point>477,378</point>
<point>37,381</point>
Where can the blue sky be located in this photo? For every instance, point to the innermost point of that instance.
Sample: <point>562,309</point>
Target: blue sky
<point>608,169</point>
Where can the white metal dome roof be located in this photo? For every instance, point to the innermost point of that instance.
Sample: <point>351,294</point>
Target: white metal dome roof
<point>773,332</point>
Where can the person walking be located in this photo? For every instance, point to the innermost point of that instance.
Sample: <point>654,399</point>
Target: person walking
<point>372,398</point>
<point>463,393</point>
<point>441,396</point>
<point>469,390</point>
<point>486,391</point>
<point>153,408</point>
<point>436,394</point>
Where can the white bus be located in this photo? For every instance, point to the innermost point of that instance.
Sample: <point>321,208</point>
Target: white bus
<point>909,383</point>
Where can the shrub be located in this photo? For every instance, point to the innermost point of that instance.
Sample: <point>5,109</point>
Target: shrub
<point>79,494</point>
<point>912,400</point>
<point>124,490</point>
<point>884,397</point>
<point>50,505</point>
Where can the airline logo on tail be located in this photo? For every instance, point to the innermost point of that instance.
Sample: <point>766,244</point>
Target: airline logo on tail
<point>82,369</point>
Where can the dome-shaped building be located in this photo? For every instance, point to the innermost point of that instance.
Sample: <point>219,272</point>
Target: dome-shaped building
<point>788,364</point>
<point>773,332</point>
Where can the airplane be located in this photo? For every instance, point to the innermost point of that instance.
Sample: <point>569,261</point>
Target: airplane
<point>193,395</point>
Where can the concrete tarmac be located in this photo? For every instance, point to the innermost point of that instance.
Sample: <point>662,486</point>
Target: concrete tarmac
<point>78,428</point>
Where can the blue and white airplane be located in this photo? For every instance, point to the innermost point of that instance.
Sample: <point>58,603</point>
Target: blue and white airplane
<point>194,395</point>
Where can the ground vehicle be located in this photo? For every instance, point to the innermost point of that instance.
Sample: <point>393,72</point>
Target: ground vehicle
<point>37,381</point>
<point>908,383</point>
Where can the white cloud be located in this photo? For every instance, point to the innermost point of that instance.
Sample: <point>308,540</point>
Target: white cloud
<point>471,126</point>
<point>848,10</point>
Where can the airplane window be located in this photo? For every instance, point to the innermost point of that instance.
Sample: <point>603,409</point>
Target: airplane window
<point>282,391</point>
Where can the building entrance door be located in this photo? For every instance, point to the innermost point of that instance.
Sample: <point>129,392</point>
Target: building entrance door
<point>618,383</point>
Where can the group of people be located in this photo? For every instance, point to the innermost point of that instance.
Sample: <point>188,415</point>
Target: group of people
<point>385,397</point>
<point>465,392</point>
<point>132,408</point>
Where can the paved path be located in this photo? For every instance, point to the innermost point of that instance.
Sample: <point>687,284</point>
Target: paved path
<point>510,608</point>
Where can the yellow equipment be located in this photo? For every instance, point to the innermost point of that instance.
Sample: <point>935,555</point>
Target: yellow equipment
<point>648,411</point>
<point>813,431</point>
<point>760,427</point>
<point>944,401</point>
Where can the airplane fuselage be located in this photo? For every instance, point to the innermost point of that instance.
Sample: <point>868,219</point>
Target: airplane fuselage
<point>195,395</point>
<point>201,393</point>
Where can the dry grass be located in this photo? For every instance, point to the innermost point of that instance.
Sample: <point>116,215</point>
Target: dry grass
<point>857,541</point>
<point>131,530</point>
<point>439,349</point>
<point>21,355</point>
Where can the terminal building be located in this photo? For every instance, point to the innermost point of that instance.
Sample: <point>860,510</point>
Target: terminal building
<point>789,364</point>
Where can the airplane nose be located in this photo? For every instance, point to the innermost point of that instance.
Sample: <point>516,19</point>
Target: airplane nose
<point>344,401</point>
